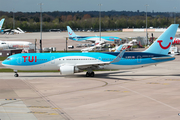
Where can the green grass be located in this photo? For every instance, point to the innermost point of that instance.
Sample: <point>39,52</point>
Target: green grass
<point>2,58</point>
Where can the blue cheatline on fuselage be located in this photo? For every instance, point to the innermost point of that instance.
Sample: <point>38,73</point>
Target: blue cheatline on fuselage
<point>129,58</point>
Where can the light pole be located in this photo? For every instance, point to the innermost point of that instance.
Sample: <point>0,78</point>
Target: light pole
<point>174,15</point>
<point>40,27</point>
<point>13,20</point>
<point>146,24</point>
<point>100,21</point>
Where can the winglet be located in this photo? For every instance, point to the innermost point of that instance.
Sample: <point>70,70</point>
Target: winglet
<point>164,42</point>
<point>119,57</point>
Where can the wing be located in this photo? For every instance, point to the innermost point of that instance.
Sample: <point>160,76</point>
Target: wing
<point>97,64</point>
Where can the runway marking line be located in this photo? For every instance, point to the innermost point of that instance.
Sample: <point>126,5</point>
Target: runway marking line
<point>32,112</point>
<point>117,91</point>
<point>10,99</point>
<point>165,84</point>
<point>157,83</point>
<point>172,79</point>
<point>151,98</point>
<point>53,114</point>
<point>152,83</point>
<point>38,106</point>
<point>56,108</point>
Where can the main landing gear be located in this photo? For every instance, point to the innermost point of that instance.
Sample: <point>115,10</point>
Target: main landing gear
<point>16,74</point>
<point>89,74</point>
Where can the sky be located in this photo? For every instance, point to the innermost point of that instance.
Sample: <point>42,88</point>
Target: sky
<point>90,5</point>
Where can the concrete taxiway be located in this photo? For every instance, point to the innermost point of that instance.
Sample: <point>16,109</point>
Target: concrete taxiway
<point>149,93</point>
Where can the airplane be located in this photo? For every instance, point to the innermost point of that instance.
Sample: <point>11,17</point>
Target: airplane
<point>18,30</point>
<point>3,30</point>
<point>73,36</point>
<point>125,45</point>
<point>176,41</point>
<point>97,44</point>
<point>15,45</point>
<point>70,63</point>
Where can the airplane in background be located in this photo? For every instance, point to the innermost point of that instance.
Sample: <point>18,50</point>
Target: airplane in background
<point>7,31</point>
<point>93,39</point>
<point>18,30</point>
<point>12,31</point>
<point>176,41</point>
<point>123,46</point>
<point>98,44</point>
<point>70,63</point>
<point>15,45</point>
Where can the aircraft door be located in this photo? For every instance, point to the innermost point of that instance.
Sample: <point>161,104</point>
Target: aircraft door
<point>99,59</point>
<point>138,59</point>
<point>52,60</point>
<point>19,60</point>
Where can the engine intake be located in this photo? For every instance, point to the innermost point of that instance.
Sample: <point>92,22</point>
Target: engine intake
<point>67,70</point>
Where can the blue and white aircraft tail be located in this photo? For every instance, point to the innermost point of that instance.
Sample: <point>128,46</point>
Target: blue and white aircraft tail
<point>164,42</point>
<point>71,32</point>
<point>70,63</point>
<point>1,23</point>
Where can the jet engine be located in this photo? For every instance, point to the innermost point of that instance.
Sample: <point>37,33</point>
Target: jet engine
<point>68,70</point>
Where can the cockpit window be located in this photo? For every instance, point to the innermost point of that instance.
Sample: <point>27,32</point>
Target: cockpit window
<point>8,59</point>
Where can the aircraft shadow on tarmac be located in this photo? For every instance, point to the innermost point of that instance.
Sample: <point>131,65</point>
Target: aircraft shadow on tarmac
<point>114,75</point>
<point>106,75</point>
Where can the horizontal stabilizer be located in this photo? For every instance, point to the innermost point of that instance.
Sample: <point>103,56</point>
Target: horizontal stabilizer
<point>162,58</point>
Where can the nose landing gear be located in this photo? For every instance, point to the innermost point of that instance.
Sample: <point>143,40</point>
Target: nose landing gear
<point>16,74</point>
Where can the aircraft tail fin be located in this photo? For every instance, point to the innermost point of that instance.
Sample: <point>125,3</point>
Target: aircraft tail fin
<point>1,23</point>
<point>71,32</point>
<point>164,42</point>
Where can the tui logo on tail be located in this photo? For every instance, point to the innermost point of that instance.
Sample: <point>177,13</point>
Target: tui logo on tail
<point>166,47</point>
<point>70,33</point>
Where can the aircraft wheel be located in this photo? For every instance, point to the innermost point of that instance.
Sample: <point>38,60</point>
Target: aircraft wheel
<point>87,74</point>
<point>16,75</point>
<point>92,74</point>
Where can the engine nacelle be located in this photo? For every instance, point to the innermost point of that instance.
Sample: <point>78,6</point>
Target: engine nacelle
<point>67,70</point>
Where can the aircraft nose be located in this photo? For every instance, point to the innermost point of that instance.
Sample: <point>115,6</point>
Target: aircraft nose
<point>4,63</point>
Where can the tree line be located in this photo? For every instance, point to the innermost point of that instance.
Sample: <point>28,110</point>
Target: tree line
<point>87,20</point>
